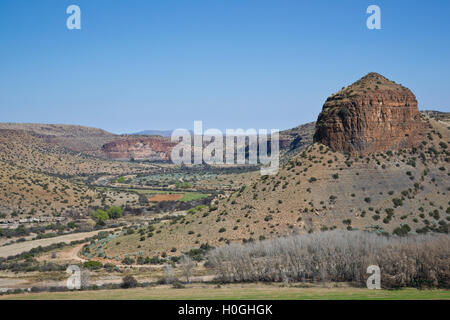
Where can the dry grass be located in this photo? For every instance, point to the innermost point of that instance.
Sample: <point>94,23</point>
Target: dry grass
<point>238,292</point>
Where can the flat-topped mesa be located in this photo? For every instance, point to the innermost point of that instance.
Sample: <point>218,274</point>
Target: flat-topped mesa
<point>371,115</point>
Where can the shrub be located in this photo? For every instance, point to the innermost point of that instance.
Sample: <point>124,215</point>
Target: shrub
<point>153,260</point>
<point>397,202</point>
<point>129,282</point>
<point>402,231</point>
<point>140,260</point>
<point>347,221</point>
<point>93,265</point>
<point>178,285</point>
<point>110,267</point>
<point>128,260</point>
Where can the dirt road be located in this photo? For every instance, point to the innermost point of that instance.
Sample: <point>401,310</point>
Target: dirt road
<point>18,248</point>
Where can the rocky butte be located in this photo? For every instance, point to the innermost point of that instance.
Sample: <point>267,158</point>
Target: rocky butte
<point>371,115</point>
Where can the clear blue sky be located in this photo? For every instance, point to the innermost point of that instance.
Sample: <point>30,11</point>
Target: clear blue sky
<point>161,64</point>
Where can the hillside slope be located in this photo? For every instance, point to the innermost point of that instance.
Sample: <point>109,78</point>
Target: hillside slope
<point>76,138</point>
<point>28,194</point>
<point>317,190</point>
<point>23,149</point>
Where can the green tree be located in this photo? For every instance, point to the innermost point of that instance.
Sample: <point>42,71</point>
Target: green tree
<point>100,215</point>
<point>114,212</point>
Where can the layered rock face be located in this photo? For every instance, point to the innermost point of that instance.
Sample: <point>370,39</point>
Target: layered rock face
<point>371,115</point>
<point>139,148</point>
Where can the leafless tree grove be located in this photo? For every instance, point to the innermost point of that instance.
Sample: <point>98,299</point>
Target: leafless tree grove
<point>187,264</point>
<point>338,256</point>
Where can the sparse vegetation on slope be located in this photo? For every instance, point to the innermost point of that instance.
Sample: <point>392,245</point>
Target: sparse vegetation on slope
<point>316,191</point>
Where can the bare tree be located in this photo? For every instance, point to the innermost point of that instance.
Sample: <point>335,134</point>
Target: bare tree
<point>339,256</point>
<point>169,272</point>
<point>187,264</point>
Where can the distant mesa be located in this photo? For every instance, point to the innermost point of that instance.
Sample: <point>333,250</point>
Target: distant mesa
<point>371,115</point>
<point>153,148</point>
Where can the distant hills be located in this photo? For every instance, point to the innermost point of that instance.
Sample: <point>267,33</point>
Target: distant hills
<point>73,137</point>
<point>162,133</point>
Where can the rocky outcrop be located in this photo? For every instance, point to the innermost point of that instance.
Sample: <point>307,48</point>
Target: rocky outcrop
<point>152,148</point>
<point>373,114</point>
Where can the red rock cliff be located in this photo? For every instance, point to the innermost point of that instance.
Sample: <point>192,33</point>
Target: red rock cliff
<point>139,148</point>
<point>373,114</point>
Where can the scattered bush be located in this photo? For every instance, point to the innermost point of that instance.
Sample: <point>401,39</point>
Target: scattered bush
<point>128,260</point>
<point>402,231</point>
<point>93,265</point>
<point>129,282</point>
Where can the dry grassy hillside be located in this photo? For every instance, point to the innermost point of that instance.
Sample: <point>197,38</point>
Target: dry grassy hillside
<point>298,138</point>
<point>318,190</point>
<point>77,138</point>
<point>20,148</point>
<point>25,193</point>
<point>34,170</point>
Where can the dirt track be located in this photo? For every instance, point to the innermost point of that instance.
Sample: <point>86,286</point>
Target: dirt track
<point>18,248</point>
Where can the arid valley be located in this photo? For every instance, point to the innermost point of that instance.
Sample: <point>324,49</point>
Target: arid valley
<point>370,178</point>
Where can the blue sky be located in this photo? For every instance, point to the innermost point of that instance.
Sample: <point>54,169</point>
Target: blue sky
<point>161,64</point>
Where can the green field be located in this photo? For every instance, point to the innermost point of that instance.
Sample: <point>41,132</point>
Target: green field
<point>240,292</point>
<point>187,196</point>
<point>191,196</point>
